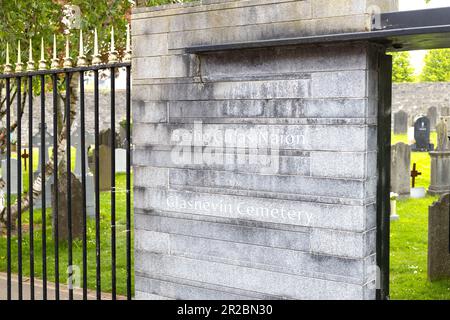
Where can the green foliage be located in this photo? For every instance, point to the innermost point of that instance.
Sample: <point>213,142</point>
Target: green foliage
<point>402,71</point>
<point>437,66</point>
<point>151,3</point>
<point>32,19</point>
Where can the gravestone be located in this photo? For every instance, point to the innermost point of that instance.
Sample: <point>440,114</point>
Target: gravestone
<point>445,111</point>
<point>440,162</point>
<point>400,169</point>
<point>104,138</point>
<point>14,180</point>
<point>432,114</point>
<point>400,122</point>
<point>77,208</point>
<point>121,160</point>
<point>105,168</point>
<point>122,137</point>
<point>37,143</point>
<point>90,191</point>
<point>422,135</point>
<point>438,240</point>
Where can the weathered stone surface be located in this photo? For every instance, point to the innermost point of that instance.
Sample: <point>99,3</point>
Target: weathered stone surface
<point>104,111</point>
<point>440,173</point>
<point>400,168</point>
<point>292,137</point>
<point>299,213</point>
<point>438,239</point>
<point>432,114</point>
<point>264,109</point>
<point>244,278</point>
<point>105,168</point>
<point>400,122</point>
<point>308,226</point>
<point>14,178</point>
<point>225,229</point>
<point>105,138</point>
<point>344,244</point>
<point>417,97</point>
<point>267,258</point>
<point>278,184</point>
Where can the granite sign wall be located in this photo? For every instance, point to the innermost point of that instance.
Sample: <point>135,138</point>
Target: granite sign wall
<point>255,170</point>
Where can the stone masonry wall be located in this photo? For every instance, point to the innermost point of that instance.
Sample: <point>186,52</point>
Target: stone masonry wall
<point>416,98</point>
<point>230,230</point>
<point>104,112</point>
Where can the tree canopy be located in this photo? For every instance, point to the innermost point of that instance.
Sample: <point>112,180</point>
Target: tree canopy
<point>402,70</point>
<point>437,66</point>
<point>32,19</point>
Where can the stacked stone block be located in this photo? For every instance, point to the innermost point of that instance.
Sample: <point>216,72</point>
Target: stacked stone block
<point>227,230</point>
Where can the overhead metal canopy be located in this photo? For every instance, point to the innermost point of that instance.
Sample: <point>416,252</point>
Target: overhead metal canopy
<point>398,31</point>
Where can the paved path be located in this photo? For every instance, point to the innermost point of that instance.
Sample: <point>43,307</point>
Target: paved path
<point>38,289</point>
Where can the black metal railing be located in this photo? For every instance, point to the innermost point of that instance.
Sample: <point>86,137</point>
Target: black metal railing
<point>21,242</point>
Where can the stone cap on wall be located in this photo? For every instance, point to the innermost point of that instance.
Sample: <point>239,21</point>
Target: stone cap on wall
<point>226,21</point>
<point>384,5</point>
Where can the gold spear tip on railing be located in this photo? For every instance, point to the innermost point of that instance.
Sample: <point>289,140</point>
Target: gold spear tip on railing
<point>8,66</point>
<point>96,58</point>
<point>113,56</point>
<point>81,61</point>
<point>128,53</point>
<point>55,60</point>
<point>67,60</point>
<point>42,62</point>
<point>19,64</point>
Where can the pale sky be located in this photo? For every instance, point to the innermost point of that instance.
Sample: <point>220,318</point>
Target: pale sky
<point>417,56</point>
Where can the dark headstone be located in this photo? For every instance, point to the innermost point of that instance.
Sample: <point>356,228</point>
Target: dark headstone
<point>432,114</point>
<point>445,111</point>
<point>422,135</point>
<point>105,168</point>
<point>400,168</point>
<point>105,138</point>
<point>77,210</point>
<point>400,122</point>
<point>438,239</point>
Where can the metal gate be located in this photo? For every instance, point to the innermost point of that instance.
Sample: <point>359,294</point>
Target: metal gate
<point>36,251</point>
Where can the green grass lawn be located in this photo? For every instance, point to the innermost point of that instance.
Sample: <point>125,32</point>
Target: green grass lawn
<point>105,213</point>
<point>409,241</point>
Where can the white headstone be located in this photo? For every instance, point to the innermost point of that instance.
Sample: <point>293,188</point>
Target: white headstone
<point>48,184</point>
<point>121,160</point>
<point>90,191</point>
<point>411,139</point>
<point>14,179</point>
<point>37,143</point>
<point>76,142</point>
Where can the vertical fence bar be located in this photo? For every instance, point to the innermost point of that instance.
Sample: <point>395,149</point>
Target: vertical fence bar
<point>30,183</point>
<point>128,182</point>
<point>113,184</point>
<point>55,183</point>
<point>83,182</point>
<point>97,186</point>
<point>8,189</point>
<point>69,186</point>
<point>19,187</point>
<point>43,193</point>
